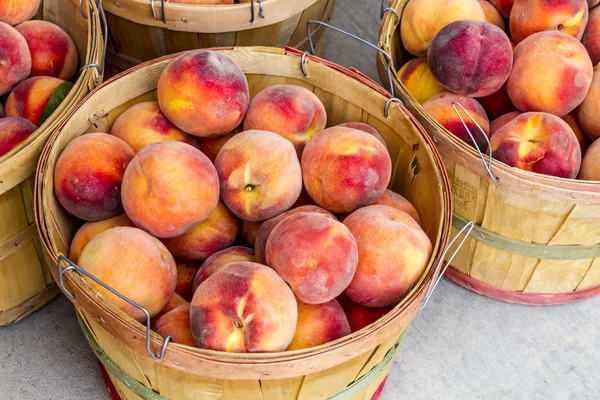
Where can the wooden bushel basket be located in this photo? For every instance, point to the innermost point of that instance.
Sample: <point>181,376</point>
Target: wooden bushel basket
<point>141,30</point>
<point>350,368</point>
<point>25,282</point>
<point>536,237</point>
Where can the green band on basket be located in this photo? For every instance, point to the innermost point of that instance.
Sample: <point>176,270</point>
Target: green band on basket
<point>351,391</point>
<point>534,250</point>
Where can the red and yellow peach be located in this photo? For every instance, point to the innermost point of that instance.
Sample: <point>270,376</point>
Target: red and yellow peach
<point>588,113</point>
<point>14,12</point>
<point>90,230</point>
<point>591,36</point>
<point>393,199</point>
<point>418,80</point>
<point>590,164</point>
<point>186,272</point>
<point>13,131</point>
<point>30,97</point>
<point>219,260</point>
<point>177,324</point>
<point>15,60</point>
<point>319,324</point>
<point>212,146</point>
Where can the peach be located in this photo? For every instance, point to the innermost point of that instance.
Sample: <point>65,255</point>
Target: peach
<point>168,188</point>
<point>538,142</point>
<point>393,254</point>
<point>441,109</point>
<point>365,128</point>
<point>89,174</point>
<point>13,12</point>
<point>177,324</point>
<point>248,232</point>
<point>593,3</point>
<point>531,16</point>
<point>471,58</point>
<point>293,112</point>
<point>211,146</point>
<point>360,316</point>
<point>315,254</point>
<point>497,103</point>
<point>329,166</point>
<point>15,60</point>
<point>492,15</point>
<point>204,93</point>
<point>422,20</point>
<point>588,113</point>
<point>584,141</point>
<point>260,175</point>
<point>175,302</point>
<point>244,308</point>
<point>590,164</point>
<point>144,124</point>
<point>393,199</point>
<point>591,35</point>
<point>504,7</point>
<point>304,199</point>
<point>134,264</point>
<point>13,131</point>
<point>219,260</point>
<point>53,52</point>
<point>30,97</point>
<point>502,120</point>
<point>418,80</point>
<point>215,233</point>
<point>89,230</point>
<point>1,111</point>
<point>267,227</point>
<point>185,278</point>
<point>319,324</point>
<point>566,79</point>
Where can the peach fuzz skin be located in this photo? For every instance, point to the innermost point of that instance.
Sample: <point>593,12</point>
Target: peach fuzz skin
<point>144,124</point>
<point>15,60</point>
<point>319,324</point>
<point>90,230</point>
<point>566,79</point>
<point>53,52</point>
<point>418,80</point>
<point>329,163</point>
<point>244,308</point>
<point>186,271</point>
<point>89,174</point>
<point>393,199</point>
<point>492,15</point>
<point>204,93</point>
<point>146,275</point>
<point>502,120</point>
<point>211,146</point>
<point>168,188</point>
<point>177,324</point>
<point>293,112</point>
<point>13,131</point>
<point>393,254</point>
<point>248,232</point>
<point>584,141</point>
<point>422,20</point>
<point>260,175</point>
<point>538,142</point>
<point>591,36</point>
<point>314,254</point>
<point>361,126</point>
<point>14,12</point>
<point>219,260</point>
<point>504,7</point>
<point>175,302</point>
<point>590,164</point>
<point>497,103</point>
<point>30,97</point>
<point>360,316</point>
<point>588,113</point>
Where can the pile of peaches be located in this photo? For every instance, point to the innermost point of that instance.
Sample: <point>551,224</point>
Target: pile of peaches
<point>36,58</point>
<point>525,65</point>
<point>247,226</point>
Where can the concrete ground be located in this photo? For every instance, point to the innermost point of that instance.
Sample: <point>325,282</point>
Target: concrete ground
<point>462,346</point>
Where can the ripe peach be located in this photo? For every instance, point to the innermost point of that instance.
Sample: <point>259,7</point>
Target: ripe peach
<point>591,36</point>
<point>441,109</point>
<point>329,166</point>
<point>211,146</point>
<point>319,324</point>
<point>293,112</point>
<point>88,176</point>
<point>538,142</point>
<point>393,199</point>
<point>393,254</point>
<point>504,7</point>
<point>14,130</point>
<point>186,272</point>
<point>531,16</point>
<point>30,97</point>
<point>213,234</point>
<point>15,60</point>
<point>422,19</point>
<point>418,80</point>
<point>260,175</point>
<point>315,254</point>
<point>146,272</point>
<point>53,52</point>
<point>584,141</point>
<point>169,187</point>
<point>471,58</point>
<point>492,15</point>
<point>566,78</point>
<point>502,120</point>
<point>497,103</point>
<point>590,164</point>
<point>219,260</point>
<point>244,308</point>
<point>267,227</point>
<point>587,114</point>
<point>13,12</point>
<point>204,93</point>
<point>175,302</point>
<point>248,232</point>
<point>365,128</point>
<point>360,316</point>
<point>177,324</point>
<point>593,3</point>
<point>89,230</point>
<point>144,124</point>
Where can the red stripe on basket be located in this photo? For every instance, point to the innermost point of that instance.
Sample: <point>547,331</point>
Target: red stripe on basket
<point>112,390</point>
<point>510,296</point>
<point>379,390</point>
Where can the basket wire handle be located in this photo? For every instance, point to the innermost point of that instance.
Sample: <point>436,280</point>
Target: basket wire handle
<point>487,165</point>
<point>73,267</point>
<point>261,11</point>
<point>99,68</point>
<point>442,266</point>
<point>162,5</point>
<point>385,9</point>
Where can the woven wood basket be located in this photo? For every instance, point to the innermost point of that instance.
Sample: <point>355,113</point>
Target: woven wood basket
<point>349,368</point>
<point>25,281</point>
<point>139,34</point>
<point>536,237</point>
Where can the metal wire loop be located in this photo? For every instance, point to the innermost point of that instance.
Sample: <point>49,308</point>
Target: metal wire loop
<point>99,68</point>
<point>261,11</point>
<point>73,267</point>
<point>391,100</point>
<point>303,61</point>
<point>385,9</point>
<point>162,5</point>
<point>81,10</point>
